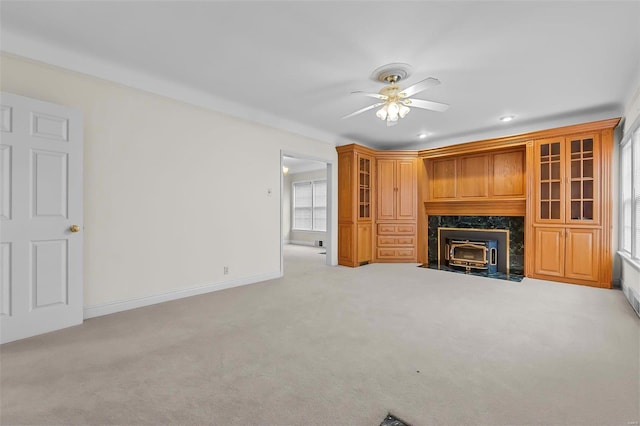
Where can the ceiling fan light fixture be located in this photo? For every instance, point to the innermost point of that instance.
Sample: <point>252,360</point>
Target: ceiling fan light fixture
<point>393,110</point>
<point>382,113</point>
<point>403,111</point>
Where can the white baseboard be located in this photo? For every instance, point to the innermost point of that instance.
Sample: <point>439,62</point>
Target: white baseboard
<point>632,297</point>
<point>125,305</point>
<point>302,243</point>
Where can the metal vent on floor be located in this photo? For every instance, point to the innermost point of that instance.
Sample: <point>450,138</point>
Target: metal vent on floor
<point>392,420</point>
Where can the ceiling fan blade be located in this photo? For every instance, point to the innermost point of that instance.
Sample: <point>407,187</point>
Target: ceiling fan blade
<point>420,103</point>
<point>360,111</point>
<point>372,95</point>
<point>419,87</point>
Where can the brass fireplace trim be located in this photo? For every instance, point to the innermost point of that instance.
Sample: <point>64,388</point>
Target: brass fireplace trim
<point>506,231</point>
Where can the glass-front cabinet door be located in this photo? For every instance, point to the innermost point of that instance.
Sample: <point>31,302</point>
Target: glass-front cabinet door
<point>567,180</point>
<point>364,190</point>
<point>549,180</point>
<point>583,179</point>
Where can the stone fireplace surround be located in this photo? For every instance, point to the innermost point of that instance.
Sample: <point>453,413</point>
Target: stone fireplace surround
<point>515,225</point>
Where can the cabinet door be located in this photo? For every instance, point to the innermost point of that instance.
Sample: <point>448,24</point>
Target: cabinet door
<point>386,189</point>
<point>582,249</point>
<point>549,251</point>
<point>473,176</point>
<point>346,244</point>
<point>364,187</point>
<point>549,192</point>
<point>365,243</point>
<point>583,176</point>
<point>406,193</point>
<point>443,179</point>
<point>508,174</point>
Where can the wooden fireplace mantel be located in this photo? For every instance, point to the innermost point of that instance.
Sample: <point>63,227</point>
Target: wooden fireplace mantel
<point>476,208</point>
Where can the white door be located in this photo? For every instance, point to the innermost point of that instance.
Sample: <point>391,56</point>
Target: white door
<point>40,217</point>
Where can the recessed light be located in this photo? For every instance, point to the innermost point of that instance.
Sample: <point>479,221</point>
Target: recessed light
<point>423,135</point>
<point>507,118</point>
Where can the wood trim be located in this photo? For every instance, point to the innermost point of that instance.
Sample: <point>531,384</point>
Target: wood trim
<point>606,211</point>
<point>354,147</point>
<point>397,155</point>
<point>518,140</point>
<point>423,193</point>
<point>529,239</point>
<point>500,207</point>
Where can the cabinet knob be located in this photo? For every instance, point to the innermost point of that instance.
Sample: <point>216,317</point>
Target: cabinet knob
<point>74,228</point>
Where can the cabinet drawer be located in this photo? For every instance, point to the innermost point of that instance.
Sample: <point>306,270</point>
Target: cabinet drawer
<point>398,253</point>
<point>392,228</point>
<point>397,240</point>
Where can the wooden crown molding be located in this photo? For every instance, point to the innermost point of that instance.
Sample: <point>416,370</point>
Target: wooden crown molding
<point>518,140</point>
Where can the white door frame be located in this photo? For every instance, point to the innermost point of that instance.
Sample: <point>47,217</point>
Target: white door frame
<point>332,206</point>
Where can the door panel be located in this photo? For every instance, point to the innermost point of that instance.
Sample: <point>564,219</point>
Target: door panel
<point>443,179</point>
<point>406,190</point>
<point>49,280</point>
<point>5,184</point>
<point>5,279</point>
<point>365,243</point>
<point>583,191</point>
<point>582,254</point>
<point>549,176</point>
<point>49,183</point>
<point>473,176</point>
<point>386,189</point>
<point>41,159</point>
<point>549,257</point>
<point>508,174</point>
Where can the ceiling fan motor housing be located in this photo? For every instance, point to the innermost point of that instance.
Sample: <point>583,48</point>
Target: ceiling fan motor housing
<point>391,73</point>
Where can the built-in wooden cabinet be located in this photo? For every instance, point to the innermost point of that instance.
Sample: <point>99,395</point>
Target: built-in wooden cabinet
<point>478,176</point>
<point>567,180</point>
<point>356,167</point>
<point>567,253</point>
<point>396,210</point>
<point>558,179</point>
<point>568,208</point>
<point>396,189</point>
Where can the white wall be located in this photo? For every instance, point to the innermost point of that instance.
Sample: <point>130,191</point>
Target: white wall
<point>292,236</point>
<point>630,271</point>
<point>172,192</point>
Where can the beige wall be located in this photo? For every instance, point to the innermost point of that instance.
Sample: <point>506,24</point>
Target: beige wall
<point>290,235</point>
<point>172,192</point>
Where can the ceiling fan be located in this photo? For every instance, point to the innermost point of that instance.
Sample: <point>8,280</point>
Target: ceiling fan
<point>396,102</point>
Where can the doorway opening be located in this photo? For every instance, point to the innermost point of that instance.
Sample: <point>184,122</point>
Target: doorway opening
<point>306,206</point>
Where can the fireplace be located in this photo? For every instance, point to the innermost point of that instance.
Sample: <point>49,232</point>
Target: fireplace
<point>473,249</point>
<point>467,254</point>
<point>507,230</point>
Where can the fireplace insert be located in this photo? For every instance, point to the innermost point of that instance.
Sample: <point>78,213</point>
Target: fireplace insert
<point>472,254</point>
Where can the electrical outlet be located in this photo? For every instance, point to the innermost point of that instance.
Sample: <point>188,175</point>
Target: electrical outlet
<point>226,270</point>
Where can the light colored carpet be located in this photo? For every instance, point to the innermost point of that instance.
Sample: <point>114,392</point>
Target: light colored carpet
<point>340,346</point>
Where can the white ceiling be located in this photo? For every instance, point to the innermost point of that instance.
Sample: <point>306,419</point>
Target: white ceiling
<point>294,64</point>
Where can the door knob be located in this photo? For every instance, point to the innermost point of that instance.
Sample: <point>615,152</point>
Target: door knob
<point>74,228</point>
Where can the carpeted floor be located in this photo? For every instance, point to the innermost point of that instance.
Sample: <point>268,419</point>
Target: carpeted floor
<point>341,346</point>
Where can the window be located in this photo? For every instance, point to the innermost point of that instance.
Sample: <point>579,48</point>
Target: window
<point>310,205</point>
<point>630,194</point>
